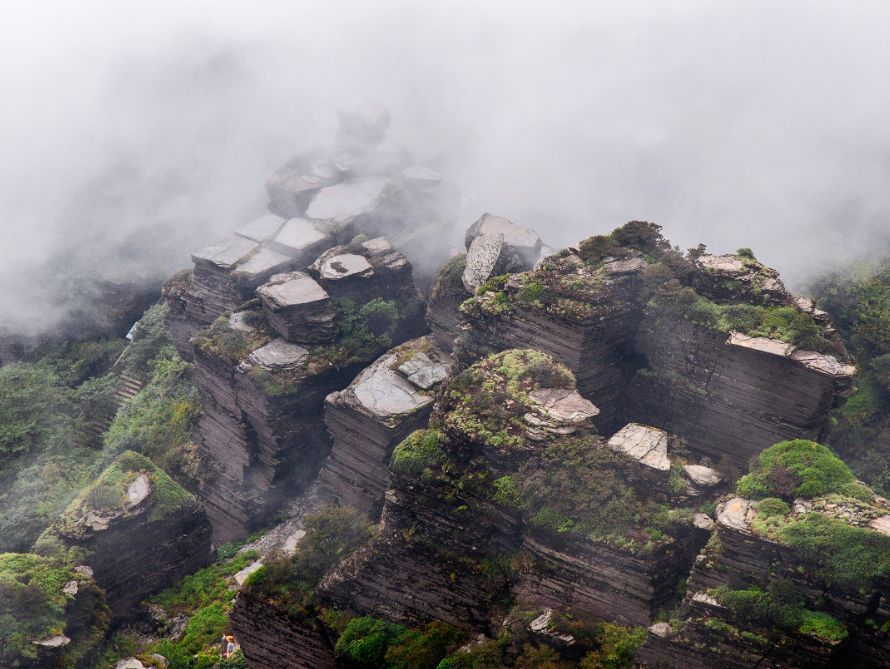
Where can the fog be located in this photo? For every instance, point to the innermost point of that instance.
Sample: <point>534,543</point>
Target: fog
<point>132,131</point>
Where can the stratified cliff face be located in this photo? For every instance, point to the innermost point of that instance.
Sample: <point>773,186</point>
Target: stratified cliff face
<point>698,345</point>
<point>384,404</point>
<point>136,529</point>
<point>469,500</point>
<point>264,371</point>
<point>270,637</point>
<point>800,581</point>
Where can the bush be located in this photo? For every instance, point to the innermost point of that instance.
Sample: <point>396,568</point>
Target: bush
<point>617,648</point>
<point>156,422</point>
<point>424,648</point>
<point>418,452</point>
<point>798,468</point>
<point>365,642</point>
<point>851,557</point>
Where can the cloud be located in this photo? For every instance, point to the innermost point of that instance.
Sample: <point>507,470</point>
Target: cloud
<point>134,131</point>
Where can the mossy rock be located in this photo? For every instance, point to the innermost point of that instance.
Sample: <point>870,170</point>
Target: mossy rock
<point>109,497</point>
<point>35,606</point>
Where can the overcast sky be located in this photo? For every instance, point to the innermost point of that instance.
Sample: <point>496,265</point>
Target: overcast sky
<point>761,124</point>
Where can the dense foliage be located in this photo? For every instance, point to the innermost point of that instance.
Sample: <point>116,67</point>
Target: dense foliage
<point>799,468</point>
<point>289,581</point>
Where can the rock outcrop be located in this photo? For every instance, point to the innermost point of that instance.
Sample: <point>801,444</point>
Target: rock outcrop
<point>263,374</point>
<point>699,346</point>
<point>778,583</point>
<point>489,488</point>
<point>135,528</point>
<point>384,404</point>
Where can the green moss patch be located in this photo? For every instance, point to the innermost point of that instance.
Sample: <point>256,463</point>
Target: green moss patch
<point>486,402</point>
<point>798,468</point>
<point>107,496</point>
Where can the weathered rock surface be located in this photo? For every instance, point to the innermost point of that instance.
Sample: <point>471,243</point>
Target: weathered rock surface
<point>496,246</point>
<point>298,308</point>
<point>153,534</point>
<point>752,392</point>
<point>383,405</point>
<point>363,272</point>
<point>270,639</point>
<point>446,296</point>
<point>591,309</point>
<point>261,434</point>
<point>741,557</point>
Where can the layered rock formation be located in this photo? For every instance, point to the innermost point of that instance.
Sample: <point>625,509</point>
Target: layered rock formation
<point>384,404</point>
<point>799,583</point>
<point>263,374</point>
<point>700,345</point>
<point>135,528</point>
<point>493,485</point>
<point>362,187</point>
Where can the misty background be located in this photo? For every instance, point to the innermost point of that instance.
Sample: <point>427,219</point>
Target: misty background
<point>133,132</point>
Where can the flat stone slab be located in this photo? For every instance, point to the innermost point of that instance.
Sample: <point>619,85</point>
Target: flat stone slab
<point>823,363</point>
<point>290,290</point>
<point>762,344</point>
<point>262,228</point>
<point>344,266</point>
<point>345,202</point>
<point>382,392</point>
<point>129,663</point>
<point>138,490</point>
<point>648,445</point>
<point>279,354</point>
<point>736,513</point>
<point>290,544</point>
<point>424,372</point>
<point>226,253</point>
<point>298,234</point>
<point>263,261</point>
<point>662,630</point>
<point>881,524</point>
<point>70,588</point>
<point>57,641</point>
<point>728,264</point>
<point>242,575</point>
<point>565,406</point>
<point>238,321</point>
<point>377,246</point>
<point>625,265</point>
<point>703,597</point>
<point>703,522</point>
<point>703,476</point>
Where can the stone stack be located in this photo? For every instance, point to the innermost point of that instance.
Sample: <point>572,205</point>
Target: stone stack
<point>383,405</point>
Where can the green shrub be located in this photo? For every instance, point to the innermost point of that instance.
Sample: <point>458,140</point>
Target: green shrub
<point>424,648</point>
<point>851,557</point>
<point>365,642</point>
<point>822,625</point>
<point>418,452</point>
<point>205,587</point>
<point>798,468</point>
<point>157,421</point>
<point>617,648</point>
<point>507,493</point>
